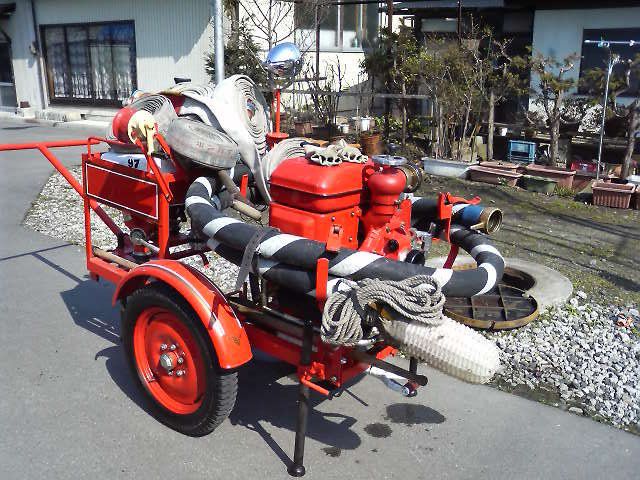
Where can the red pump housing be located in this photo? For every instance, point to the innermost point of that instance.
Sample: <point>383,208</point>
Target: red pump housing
<point>350,205</point>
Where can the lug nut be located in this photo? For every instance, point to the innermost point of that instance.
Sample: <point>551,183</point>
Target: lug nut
<point>180,373</point>
<point>173,347</point>
<point>170,373</point>
<point>343,361</point>
<point>163,346</point>
<point>180,360</point>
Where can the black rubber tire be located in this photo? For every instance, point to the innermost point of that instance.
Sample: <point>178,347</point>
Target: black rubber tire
<point>222,385</point>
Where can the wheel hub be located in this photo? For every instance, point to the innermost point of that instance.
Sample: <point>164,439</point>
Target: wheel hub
<point>168,361</point>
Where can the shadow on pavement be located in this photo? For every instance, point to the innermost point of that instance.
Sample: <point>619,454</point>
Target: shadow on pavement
<point>262,398</point>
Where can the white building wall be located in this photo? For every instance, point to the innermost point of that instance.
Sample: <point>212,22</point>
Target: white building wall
<point>173,38</point>
<point>20,28</point>
<point>559,32</point>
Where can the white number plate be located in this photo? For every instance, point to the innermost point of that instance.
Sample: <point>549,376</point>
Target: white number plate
<point>136,160</point>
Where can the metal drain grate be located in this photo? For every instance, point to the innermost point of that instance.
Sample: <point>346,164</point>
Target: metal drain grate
<point>502,308</point>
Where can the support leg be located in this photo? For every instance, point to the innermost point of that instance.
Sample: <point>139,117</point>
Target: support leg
<point>296,469</point>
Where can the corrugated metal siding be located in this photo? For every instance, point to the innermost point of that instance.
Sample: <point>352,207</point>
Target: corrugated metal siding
<point>172,36</point>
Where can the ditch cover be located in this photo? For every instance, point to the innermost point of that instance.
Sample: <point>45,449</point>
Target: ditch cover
<point>503,307</point>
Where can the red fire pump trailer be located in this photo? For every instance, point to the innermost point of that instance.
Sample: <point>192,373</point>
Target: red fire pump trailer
<point>184,338</point>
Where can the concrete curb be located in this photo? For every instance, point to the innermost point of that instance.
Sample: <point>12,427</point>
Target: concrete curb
<point>91,125</point>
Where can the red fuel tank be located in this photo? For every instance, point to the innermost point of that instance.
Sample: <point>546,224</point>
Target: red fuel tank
<point>318,202</point>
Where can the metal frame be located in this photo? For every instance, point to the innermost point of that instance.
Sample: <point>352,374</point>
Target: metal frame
<point>320,367</point>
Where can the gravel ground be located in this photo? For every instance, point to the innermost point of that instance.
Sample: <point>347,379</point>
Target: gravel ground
<point>576,356</point>
<point>58,213</point>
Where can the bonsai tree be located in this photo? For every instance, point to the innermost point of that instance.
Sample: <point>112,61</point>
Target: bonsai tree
<point>396,59</point>
<point>550,92</point>
<point>506,79</point>
<point>619,83</point>
<point>326,100</point>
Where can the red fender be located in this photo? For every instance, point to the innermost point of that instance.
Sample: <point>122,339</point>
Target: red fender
<point>229,338</point>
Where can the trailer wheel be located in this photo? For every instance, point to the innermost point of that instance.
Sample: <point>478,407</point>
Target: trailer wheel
<point>169,353</point>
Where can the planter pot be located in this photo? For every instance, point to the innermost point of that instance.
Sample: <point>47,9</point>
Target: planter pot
<point>491,175</point>
<point>582,179</point>
<point>612,194</point>
<point>303,129</point>
<point>371,144</point>
<point>560,175</point>
<point>507,166</point>
<point>445,168</point>
<point>539,184</point>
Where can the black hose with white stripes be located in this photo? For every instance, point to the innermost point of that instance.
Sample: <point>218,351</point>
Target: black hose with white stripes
<point>291,260</point>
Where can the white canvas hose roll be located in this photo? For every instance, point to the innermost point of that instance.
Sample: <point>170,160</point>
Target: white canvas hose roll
<point>287,148</point>
<point>241,111</point>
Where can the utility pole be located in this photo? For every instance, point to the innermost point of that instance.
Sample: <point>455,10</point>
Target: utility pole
<point>217,12</point>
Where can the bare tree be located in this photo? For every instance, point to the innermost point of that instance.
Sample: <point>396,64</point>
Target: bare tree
<point>274,21</point>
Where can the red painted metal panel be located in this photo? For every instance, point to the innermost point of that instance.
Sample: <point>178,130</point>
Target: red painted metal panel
<point>122,191</point>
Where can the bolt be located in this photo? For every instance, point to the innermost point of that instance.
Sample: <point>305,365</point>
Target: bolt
<point>180,373</point>
<point>163,346</point>
<point>351,239</point>
<point>173,347</point>
<point>333,379</point>
<point>333,219</point>
<point>343,361</point>
<point>180,360</point>
<point>353,214</point>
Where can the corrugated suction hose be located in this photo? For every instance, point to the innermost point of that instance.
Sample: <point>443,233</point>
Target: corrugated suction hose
<point>411,315</point>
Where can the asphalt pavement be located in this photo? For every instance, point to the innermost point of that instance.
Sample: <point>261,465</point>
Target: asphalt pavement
<point>69,410</point>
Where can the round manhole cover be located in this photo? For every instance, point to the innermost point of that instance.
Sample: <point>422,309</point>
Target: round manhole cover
<point>504,307</point>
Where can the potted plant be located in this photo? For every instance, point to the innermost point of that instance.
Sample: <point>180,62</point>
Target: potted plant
<point>326,100</point>
<point>613,195</point>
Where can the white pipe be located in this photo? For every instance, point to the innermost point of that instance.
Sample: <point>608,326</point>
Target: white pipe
<point>218,39</point>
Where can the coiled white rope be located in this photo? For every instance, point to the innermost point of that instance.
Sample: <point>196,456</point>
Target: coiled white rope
<point>416,298</point>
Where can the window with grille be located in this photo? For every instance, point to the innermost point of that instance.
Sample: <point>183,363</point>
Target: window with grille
<point>90,63</point>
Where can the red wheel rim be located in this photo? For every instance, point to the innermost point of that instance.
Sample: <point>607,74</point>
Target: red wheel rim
<point>169,361</point>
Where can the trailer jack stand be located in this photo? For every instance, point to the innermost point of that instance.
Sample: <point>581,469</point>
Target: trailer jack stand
<point>296,469</point>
